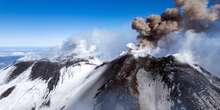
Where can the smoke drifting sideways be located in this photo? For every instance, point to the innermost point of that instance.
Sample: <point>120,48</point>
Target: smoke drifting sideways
<point>190,31</point>
<point>104,44</point>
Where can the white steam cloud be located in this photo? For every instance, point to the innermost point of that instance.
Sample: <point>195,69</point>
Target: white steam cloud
<point>191,47</point>
<point>101,43</point>
<point>201,48</point>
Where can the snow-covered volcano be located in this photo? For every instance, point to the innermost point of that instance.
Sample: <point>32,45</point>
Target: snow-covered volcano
<point>157,72</point>
<point>126,83</point>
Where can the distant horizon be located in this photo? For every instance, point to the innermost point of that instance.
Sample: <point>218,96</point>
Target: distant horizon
<point>23,49</point>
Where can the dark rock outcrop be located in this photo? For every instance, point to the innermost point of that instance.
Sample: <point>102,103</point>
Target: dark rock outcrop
<point>45,70</point>
<point>7,92</point>
<point>130,83</point>
<point>20,67</point>
<point>188,88</point>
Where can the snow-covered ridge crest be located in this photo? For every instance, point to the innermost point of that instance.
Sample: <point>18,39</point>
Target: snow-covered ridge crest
<point>79,82</point>
<point>49,83</point>
<point>45,85</point>
<point>70,51</point>
<point>79,49</point>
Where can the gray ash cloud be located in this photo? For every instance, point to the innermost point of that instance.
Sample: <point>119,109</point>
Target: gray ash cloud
<point>195,15</point>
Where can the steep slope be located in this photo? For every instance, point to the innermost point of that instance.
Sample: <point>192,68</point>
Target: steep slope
<point>34,85</point>
<point>126,83</point>
<point>157,84</point>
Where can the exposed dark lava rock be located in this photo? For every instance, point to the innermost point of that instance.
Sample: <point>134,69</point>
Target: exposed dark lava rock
<point>116,89</point>
<point>33,108</point>
<point>50,71</point>
<point>127,83</point>
<point>20,67</point>
<point>188,88</point>
<point>45,70</point>
<point>46,103</point>
<point>7,92</point>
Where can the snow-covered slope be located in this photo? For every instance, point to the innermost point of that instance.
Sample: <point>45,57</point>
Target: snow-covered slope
<point>158,72</point>
<point>43,84</point>
<point>148,83</point>
<point>126,83</point>
<point>76,79</point>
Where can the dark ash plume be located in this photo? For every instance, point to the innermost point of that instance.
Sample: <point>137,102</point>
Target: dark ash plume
<point>187,15</point>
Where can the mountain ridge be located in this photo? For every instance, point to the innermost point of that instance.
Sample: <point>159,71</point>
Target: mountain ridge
<point>128,82</point>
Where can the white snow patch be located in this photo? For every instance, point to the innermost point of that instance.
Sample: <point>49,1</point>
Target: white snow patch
<point>153,95</point>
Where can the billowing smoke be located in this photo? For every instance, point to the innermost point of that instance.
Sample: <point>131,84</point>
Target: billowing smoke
<point>190,31</point>
<point>196,15</point>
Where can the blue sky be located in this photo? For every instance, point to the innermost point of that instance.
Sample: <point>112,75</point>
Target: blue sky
<point>49,22</point>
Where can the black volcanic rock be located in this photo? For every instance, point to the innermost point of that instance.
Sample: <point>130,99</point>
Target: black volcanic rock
<point>187,88</point>
<point>7,92</point>
<point>126,83</point>
<point>20,67</point>
<point>45,70</point>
